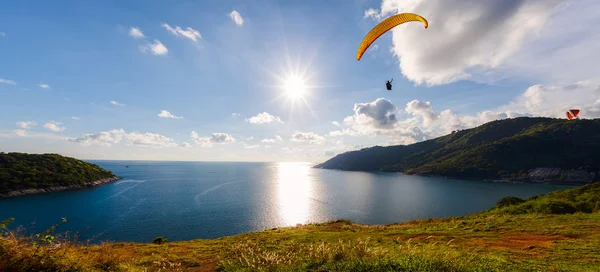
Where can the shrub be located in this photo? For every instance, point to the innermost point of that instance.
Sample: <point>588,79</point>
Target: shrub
<point>509,201</point>
<point>556,207</point>
<point>159,240</point>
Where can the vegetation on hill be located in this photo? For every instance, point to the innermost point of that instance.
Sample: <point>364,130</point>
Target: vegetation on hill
<point>585,199</point>
<point>498,149</point>
<point>513,236</point>
<point>20,171</point>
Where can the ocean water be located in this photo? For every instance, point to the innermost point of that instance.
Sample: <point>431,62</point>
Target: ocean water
<point>202,200</point>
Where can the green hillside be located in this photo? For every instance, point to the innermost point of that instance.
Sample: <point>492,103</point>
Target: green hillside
<point>20,171</point>
<point>500,149</point>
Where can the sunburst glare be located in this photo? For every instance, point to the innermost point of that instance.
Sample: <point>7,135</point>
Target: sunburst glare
<point>295,87</point>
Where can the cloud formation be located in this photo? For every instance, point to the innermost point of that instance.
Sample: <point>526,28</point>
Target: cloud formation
<point>424,122</point>
<point>264,118</point>
<point>156,48</point>
<point>136,33</point>
<point>116,103</point>
<point>167,114</point>
<point>26,124</point>
<point>463,37</point>
<point>44,86</point>
<point>54,126</point>
<point>309,137</point>
<point>236,17</point>
<point>189,33</point>
<point>277,139</point>
<point>7,81</point>
<point>115,136</point>
<point>215,138</point>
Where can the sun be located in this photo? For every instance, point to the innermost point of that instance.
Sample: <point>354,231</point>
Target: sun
<point>295,87</point>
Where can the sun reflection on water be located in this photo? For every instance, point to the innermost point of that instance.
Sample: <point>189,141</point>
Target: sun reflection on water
<point>294,184</point>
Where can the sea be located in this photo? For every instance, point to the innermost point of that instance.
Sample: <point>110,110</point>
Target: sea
<point>205,200</point>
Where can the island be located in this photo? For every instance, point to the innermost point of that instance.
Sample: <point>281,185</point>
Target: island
<point>22,174</point>
<point>524,149</point>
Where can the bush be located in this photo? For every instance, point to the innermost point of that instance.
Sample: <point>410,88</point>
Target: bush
<point>556,207</point>
<point>509,201</point>
<point>159,240</point>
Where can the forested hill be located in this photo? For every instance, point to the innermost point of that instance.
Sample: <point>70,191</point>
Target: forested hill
<point>509,148</point>
<point>20,171</point>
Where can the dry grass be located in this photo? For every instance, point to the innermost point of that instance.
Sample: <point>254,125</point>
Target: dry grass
<point>472,243</point>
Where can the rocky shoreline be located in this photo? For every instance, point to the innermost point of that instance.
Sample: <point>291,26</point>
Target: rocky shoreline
<point>59,188</point>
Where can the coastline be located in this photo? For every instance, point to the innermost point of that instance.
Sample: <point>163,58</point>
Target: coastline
<point>498,179</point>
<point>90,184</point>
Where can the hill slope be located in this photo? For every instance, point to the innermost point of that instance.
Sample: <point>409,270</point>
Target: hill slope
<point>507,148</point>
<point>533,239</point>
<point>22,173</point>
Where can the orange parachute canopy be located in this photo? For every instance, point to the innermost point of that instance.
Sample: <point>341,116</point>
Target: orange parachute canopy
<point>386,25</point>
<point>572,114</point>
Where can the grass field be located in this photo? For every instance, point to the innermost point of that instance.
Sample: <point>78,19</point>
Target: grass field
<point>488,241</point>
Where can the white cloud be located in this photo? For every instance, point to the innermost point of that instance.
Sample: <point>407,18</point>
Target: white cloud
<point>424,110</point>
<point>185,145</point>
<point>378,118</point>
<point>44,86</point>
<point>250,138</point>
<point>236,17</point>
<point>54,126</point>
<point>215,138</point>
<point>108,138</point>
<point>307,137</point>
<point>7,81</point>
<point>147,139</point>
<point>29,134</point>
<point>136,33</point>
<point>21,132</point>
<point>564,51</point>
<point>166,114</point>
<point>189,32</point>
<point>463,37</point>
<point>235,115</point>
<point>346,131</point>
<point>116,103</point>
<point>264,118</point>
<point>251,146</point>
<point>379,115</point>
<point>372,13</point>
<point>277,139</point>
<point>26,124</point>
<point>156,48</point>
<point>335,123</point>
<point>75,118</point>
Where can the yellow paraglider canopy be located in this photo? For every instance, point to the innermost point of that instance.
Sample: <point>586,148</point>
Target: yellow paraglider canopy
<point>386,25</point>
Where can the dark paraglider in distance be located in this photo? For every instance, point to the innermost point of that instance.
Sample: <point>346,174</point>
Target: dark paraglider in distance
<point>388,84</point>
<point>573,114</point>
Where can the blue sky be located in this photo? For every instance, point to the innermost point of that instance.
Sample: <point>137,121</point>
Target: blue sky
<point>205,80</point>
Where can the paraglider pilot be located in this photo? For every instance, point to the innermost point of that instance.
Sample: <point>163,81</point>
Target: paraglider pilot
<point>388,84</point>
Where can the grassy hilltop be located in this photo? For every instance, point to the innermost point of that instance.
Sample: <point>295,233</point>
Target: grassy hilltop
<point>556,232</point>
<point>508,148</point>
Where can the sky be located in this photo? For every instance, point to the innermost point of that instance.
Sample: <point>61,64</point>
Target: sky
<point>243,80</point>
